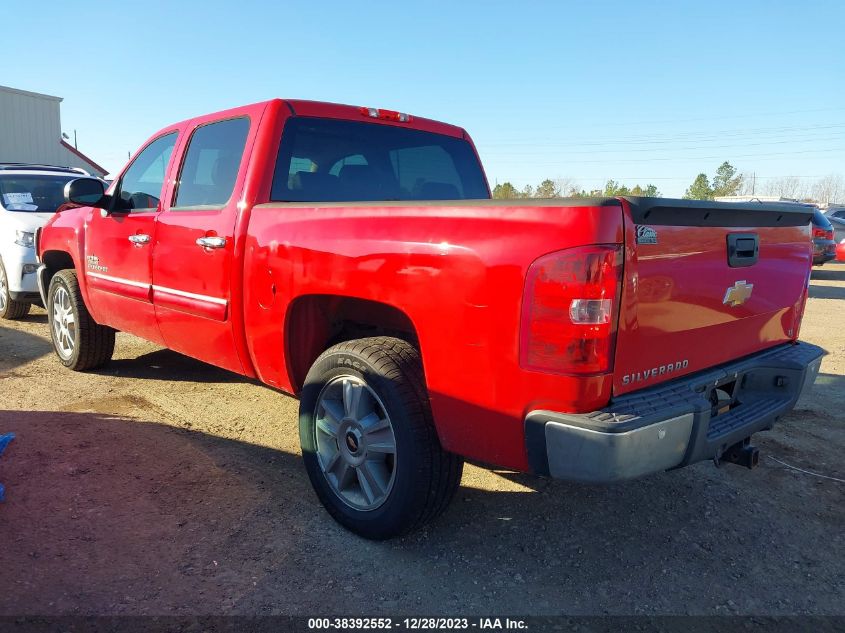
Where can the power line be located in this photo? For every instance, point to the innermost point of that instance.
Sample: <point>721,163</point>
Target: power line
<point>754,115</point>
<point>663,149</point>
<point>669,138</point>
<point>767,156</point>
<point>678,178</point>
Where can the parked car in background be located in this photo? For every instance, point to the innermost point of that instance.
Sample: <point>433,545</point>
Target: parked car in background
<point>29,195</point>
<point>836,216</point>
<point>824,246</point>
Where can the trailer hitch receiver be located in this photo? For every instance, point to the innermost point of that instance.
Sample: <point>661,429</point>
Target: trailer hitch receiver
<point>741,454</point>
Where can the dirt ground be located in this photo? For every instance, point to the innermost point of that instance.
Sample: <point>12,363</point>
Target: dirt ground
<point>160,485</point>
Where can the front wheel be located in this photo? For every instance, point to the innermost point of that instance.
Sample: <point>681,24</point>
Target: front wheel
<point>80,342</point>
<point>369,442</point>
<point>9,308</point>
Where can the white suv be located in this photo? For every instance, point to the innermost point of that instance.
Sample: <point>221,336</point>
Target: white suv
<point>29,195</point>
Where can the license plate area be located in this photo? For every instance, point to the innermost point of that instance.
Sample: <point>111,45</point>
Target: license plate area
<point>723,396</point>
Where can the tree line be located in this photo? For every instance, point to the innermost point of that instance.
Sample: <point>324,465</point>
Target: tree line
<point>726,181</point>
<point>564,188</point>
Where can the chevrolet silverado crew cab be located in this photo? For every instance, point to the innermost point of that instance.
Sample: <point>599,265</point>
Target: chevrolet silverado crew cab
<point>29,195</point>
<point>352,257</point>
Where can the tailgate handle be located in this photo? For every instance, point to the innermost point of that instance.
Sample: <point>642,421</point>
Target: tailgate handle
<point>743,249</point>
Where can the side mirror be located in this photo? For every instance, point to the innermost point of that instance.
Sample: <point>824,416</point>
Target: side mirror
<point>88,192</point>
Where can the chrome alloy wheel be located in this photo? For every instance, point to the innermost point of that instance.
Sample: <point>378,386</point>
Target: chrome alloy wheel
<point>356,447</point>
<point>4,289</point>
<point>64,323</point>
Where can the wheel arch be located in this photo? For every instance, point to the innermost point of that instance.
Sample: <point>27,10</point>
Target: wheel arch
<point>314,323</point>
<point>55,261</point>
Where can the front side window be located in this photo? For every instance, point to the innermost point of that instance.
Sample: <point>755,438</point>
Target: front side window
<point>211,164</point>
<point>141,185</point>
<point>324,160</point>
<point>40,194</point>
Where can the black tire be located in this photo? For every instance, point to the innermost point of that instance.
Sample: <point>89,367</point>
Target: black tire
<point>425,477</point>
<point>93,344</point>
<point>10,309</point>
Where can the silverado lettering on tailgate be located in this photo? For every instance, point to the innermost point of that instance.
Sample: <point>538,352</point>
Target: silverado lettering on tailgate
<point>641,376</point>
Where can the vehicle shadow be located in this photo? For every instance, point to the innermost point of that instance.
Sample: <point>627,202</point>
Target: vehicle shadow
<point>165,364</point>
<point>18,347</point>
<point>826,292</point>
<point>115,515</point>
<point>832,271</point>
<point>35,316</point>
<point>826,399</point>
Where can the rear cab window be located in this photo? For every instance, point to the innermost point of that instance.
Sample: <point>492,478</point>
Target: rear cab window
<point>333,160</point>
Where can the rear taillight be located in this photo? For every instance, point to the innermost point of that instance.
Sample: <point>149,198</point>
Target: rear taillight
<point>822,233</point>
<point>569,310</point>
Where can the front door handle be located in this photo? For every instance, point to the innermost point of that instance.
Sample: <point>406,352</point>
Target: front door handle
<point>139,239</point>
<point>211,242</point>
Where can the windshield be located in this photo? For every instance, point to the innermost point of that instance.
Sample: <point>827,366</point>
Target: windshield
<point>324,160</point>
<point>42,194</point>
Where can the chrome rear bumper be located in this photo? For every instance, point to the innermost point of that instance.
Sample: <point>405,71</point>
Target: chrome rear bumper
<point>674,424</point>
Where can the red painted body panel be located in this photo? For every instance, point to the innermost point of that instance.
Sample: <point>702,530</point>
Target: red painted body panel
<point>65,235</point>
<point>673,308</point>
<point>115,275</point>
<point>121,291</point>
<point>193,286</point>
<point>455,272</point>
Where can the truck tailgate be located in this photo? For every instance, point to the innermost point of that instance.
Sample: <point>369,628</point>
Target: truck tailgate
<point>706,283</point>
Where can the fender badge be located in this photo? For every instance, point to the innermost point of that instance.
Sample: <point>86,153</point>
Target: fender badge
<point>94,264</point>
<point>738,294</point>
<point>646,235</point>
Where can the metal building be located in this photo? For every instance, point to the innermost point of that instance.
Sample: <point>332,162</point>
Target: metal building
<point>31,132</point>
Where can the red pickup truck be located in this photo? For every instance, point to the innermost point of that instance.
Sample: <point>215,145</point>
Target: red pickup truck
<point>352,257</point>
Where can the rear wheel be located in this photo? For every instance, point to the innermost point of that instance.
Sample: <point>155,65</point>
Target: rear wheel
<point>369,442</point>
<point>80,342</point>
<point>9,308</point>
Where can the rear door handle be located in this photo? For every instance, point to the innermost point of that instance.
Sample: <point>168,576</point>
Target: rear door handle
<point>139,239</point>
<point>211,242</point>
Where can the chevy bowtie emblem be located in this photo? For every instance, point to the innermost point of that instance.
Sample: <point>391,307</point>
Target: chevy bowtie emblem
<point>738,294</point>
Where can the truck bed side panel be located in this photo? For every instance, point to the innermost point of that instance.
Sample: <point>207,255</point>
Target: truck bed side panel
<point>457,272</point>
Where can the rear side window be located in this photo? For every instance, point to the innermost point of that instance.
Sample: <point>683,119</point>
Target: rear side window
<point>325,160</point>
<point>211,164</point>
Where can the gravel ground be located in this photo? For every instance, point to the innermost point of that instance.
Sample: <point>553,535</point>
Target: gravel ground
<point>160,485</point>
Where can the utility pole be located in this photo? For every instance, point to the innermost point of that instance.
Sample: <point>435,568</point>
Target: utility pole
<point>753,182</point>
<point>75,144</point>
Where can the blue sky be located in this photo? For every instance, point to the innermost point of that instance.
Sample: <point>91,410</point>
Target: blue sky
<point>635,91</point>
